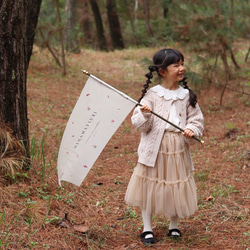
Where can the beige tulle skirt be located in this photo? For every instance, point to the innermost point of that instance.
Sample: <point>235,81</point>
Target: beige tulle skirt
<point>169,187</point>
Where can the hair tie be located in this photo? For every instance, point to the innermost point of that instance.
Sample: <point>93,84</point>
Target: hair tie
<point>152,68</point>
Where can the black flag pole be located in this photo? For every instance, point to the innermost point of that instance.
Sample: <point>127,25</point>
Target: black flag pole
<point>182,130</point>
<point>152,112</point>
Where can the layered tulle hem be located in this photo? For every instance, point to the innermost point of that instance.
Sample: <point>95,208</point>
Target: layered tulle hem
<point>160,197</point>
<point>168,188</point>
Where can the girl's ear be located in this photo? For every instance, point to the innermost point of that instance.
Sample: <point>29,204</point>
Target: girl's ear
<point>162,72</point>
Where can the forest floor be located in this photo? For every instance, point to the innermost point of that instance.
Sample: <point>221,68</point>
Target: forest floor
<point>36,213</point>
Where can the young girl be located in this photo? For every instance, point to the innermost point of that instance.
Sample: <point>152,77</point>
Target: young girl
<point>162,181</point>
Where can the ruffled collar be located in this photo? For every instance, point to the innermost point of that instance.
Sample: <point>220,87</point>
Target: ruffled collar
<point>177,94</point>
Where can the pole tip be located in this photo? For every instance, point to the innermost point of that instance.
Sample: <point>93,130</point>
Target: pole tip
<point>85,72</point>
<point>202,142</point>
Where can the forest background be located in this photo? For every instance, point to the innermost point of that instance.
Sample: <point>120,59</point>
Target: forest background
<point>115,40</point>
<point>208,28</point>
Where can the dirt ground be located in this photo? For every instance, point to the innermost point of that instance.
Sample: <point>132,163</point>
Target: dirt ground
<point>38,214</point>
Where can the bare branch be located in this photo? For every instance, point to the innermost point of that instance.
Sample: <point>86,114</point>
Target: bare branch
<point>50,49</point>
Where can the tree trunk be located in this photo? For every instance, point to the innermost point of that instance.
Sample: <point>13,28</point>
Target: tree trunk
<point>246,57</point>
<point>145,6</point>
<point>114,25</point>
<point>136,9</point>
<point>227,73</point>
<point>61,37</point>
<point>70,38</point>
<point>85,21</point>
<point>18,20</point>
<point>232,14</point>
<point>165,6</point>
<point>129,13</point>
<point>99,26</point>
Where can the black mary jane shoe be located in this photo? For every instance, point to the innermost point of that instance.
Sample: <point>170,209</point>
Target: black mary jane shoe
<point>171,233</point>
<point>147,241</point>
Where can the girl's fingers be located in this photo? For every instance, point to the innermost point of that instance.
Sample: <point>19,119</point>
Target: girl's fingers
<point>145,109</point>
<point>188,133</point>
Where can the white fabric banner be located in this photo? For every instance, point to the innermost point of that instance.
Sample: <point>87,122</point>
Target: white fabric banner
<point>98,113</point>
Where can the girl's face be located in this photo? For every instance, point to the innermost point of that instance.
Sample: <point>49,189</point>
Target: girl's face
<point>174,72</point>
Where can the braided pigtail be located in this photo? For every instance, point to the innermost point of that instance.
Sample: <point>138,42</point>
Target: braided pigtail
<point>149,76</point>
<point>192,95</point>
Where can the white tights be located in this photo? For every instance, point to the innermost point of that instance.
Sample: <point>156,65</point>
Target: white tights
<point>174,222</point>
<point>147,222</point>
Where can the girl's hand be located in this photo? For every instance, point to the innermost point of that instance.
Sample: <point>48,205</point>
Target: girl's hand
<point>188,133</point>
<point>145,109</point>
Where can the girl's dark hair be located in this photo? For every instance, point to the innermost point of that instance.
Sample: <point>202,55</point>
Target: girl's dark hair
<point>192,95</point>
<point>161,60</point>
